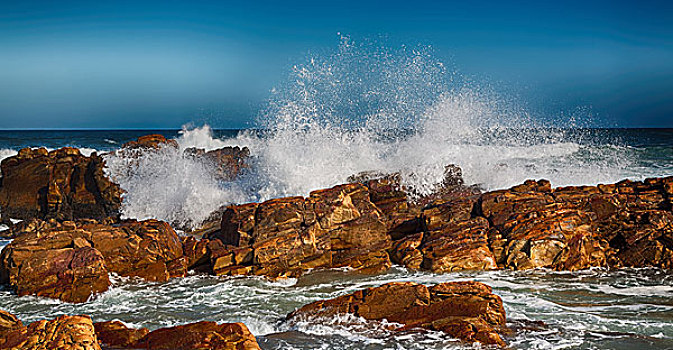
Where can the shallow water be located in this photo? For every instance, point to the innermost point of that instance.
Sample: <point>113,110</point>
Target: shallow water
<point>592,309</point>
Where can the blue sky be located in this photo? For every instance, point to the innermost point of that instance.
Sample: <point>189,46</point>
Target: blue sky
<point>135,64</point>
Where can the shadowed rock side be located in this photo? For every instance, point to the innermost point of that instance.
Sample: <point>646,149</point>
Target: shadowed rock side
<point>71,260</point>
<point>79,333</point>
<point>61,184</point>
<point>464,310</point>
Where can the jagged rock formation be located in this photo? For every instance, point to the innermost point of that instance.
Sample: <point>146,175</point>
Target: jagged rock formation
<point>63,332</point>
<point>464,310</point>
<point>71,260</point>
<point>61,184</point>
<point>79,333</point>
<point>228,161</point>
<point>154,141</point>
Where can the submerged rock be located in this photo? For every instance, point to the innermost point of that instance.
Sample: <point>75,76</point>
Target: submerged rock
<point>61,184</point>
<point>464,310</point>
<point>70,261</point>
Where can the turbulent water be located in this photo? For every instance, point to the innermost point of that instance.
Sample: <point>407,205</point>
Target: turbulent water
<point>365,108</point>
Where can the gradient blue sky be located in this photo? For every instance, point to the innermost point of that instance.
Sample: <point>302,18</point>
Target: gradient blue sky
<point>140,64</point>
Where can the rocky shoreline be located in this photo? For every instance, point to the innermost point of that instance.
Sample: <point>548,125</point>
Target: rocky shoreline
<point>72,239</point>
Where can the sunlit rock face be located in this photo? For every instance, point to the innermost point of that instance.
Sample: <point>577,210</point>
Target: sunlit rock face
<point>464,310</point>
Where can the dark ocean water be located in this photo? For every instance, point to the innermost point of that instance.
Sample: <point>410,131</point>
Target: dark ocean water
<point>657,140</point>
<point>593,309</point>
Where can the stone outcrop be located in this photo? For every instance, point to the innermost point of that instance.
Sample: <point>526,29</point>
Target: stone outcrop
<point>227,161</point>
<point>464,310</point>
<point>114,334</point>
<point>79,333</point>
<point>63,332</point>
<point>61,184</point>
<point>336,227</point>
<point>8,323</point>
<point>71,260</point>
<point>154,141</point>
<point>570,228</point>
<point>200,335</point>
<point>457,228</point>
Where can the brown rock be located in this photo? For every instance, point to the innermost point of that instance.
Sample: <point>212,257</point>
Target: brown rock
<point>47,264</point>
<point>70,260</point>
<point>63,332</point>
<point>336,227</point>
<point>8,323</point>
<point>114,334</point>
<point>228,161</point>
<point>154,141</point>
<point>138,249</point>
<point>465,310</point>
<point>60,184</point>
<point>200,335</point>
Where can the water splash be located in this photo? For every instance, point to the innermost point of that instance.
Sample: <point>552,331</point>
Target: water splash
<point>369,106</point>
<point>169,185</point>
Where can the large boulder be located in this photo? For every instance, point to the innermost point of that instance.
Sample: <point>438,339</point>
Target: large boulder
<point>138,249</point>
<point>452,239</point>
<point>115,334</point>
<point>63,332</point>
<point>8,323</point>
<point>62,184</point>
<point>464,310</point>
<point>200,335</point>
<point>336,227</point>
<point>71,260</point>
<point>79,333</point>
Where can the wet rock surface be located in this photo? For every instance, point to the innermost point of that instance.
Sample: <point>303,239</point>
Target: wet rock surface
<point>228,161</point>
<point>61,184</point>
<point>71,260</point>
<point>464,310</point>
<point>336,227</point>
<point>63,332</point>
<point>79,333</point>
<point>154,141</point>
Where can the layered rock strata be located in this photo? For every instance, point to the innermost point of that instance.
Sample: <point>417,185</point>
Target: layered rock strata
<point>71,260</point>
<point>465,310</point>
<point>80,333</point>
<point>61,184</point>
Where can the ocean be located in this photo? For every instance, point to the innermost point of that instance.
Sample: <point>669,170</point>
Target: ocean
<point>591,309</point>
